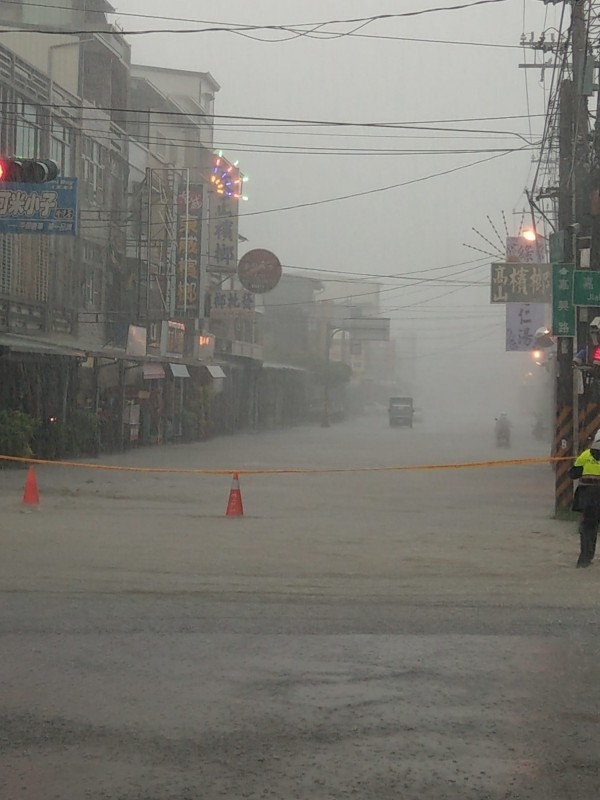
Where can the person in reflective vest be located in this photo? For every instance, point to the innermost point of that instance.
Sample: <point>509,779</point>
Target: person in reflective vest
<point>586,469</point>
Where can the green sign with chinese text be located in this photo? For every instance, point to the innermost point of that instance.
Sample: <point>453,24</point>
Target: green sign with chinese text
<point>563,308</point>
<point>586,290</point>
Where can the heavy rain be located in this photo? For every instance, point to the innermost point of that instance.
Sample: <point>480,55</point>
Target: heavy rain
<point>299,369</point>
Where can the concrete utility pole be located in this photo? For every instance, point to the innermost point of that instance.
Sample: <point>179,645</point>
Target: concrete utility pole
<point>563,442</point>
<point>595,177</point>
<point>583,73</point>
<point>571,202</point>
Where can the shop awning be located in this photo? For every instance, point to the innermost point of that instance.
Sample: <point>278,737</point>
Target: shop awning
<point>215,372</point>
<point>26,344</point>
<point>278,366</point>
<point>153,372</point>
<point>179,371</point>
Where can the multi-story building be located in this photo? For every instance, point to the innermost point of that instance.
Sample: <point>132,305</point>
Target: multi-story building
<point>184,202</point>
<point>170,154</point>
<point>146,291</point>
<point>62,97</point>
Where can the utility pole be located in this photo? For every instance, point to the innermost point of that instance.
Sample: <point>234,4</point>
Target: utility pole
<point>590,415</point>
<point>563,436</point>
<point>583,72</point>
<point>573,132</point>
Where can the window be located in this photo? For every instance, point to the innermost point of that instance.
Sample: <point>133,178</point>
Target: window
<point>88,292</point>
<point>175,337</point>
<point>115,187</point>
<point>93,257</point>
<point>8,257</point>
<point>91,289</point>
<point>61,147</point>
<point>24,266</point>
<point>26,130</point>
<point>41,276</point>
<point>93,160</point>
<point>30,273</point>
<point>6,122</point>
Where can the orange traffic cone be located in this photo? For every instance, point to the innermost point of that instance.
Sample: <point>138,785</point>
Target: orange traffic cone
<point>31,495</point>
<point>234,505</point>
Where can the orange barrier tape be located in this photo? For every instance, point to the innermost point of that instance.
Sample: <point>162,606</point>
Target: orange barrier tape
<point>291,471</point>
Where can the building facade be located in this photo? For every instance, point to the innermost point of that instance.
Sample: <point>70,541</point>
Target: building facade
<point>139,320</point>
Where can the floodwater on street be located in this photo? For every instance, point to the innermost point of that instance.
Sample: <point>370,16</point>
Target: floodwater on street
<point>375,633</point>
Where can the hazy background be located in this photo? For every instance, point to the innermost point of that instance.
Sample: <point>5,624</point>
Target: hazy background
<point>459,337</point>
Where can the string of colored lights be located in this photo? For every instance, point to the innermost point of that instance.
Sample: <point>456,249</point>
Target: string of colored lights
<point>226,178</point>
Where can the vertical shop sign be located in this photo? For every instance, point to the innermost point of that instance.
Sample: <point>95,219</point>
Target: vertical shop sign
<point>225,194</point>
<point>522,321</point>
<point>189,238</point>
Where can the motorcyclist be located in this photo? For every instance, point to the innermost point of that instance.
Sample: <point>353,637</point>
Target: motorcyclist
<point>539,429</point>
<point>502,429</point>
<point>586,469</point>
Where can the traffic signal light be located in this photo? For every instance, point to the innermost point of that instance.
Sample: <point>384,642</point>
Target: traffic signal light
<point>27,170</point>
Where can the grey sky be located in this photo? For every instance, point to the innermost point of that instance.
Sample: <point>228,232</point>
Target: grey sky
<point>360,79</point>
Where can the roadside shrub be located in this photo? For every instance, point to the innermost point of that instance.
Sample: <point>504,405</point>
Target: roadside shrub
<point>51,440</point>
<point>77,437</point>
<point>17,430</point>
<point>196,418</point>
<point>83,433</point>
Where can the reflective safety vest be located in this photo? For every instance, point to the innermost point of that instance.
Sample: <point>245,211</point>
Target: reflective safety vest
<point>591,467</point>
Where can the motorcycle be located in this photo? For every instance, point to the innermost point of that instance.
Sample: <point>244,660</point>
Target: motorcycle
<point>539,430</point>
<point>502,433</point>
<point>502,439</point>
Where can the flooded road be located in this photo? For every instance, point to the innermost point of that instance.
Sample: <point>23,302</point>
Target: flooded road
<point>376,634</point>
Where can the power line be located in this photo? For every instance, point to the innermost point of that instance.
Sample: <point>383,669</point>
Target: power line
<point>552,99</point>
<point>415,284</point>
<point>381,188</point>
<point>283,149</point>
<point>376,276</point>
<point>377,190</point>
<point>367,192</point>
<point>241,29</point>
<point>424,125</point>
<point>430,299</point>
<point>418,282</point>
<point>276,149</point>
<point>525,71</point>
<point>314,34</point>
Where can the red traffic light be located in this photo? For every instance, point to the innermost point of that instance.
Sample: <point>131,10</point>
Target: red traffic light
<point>6,170</point>
<point>28,170</point>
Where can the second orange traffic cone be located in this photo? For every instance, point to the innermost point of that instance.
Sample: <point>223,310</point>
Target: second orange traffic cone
<point>235,507</point>
<point>31,495</point>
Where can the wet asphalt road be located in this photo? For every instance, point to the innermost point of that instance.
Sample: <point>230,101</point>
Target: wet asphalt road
<point>376,635</point>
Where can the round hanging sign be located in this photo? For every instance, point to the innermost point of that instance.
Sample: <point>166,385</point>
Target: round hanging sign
<point>259,271</point>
